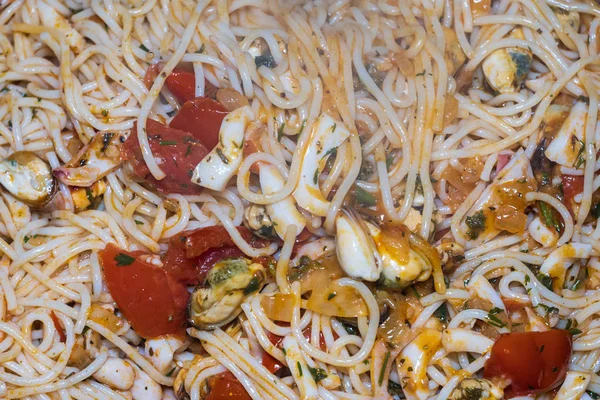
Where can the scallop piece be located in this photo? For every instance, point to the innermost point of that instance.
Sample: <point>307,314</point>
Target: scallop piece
<point>517,169</point>
<point>506,68</point>
<point>356,250</point>
<point>541,233</point>
<point>222,163</point>
<point>284,212</point>
<point>326,136</point>
<point>413,361</point>
<point>28,178</point>
<point>567,146</point>
<point>558,262</point>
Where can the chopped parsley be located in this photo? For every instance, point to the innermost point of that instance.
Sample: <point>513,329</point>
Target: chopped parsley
<point>302,127</point>
<point>318,374</point>
<point>476,224</point>
<point>331,295</point>
<point>545,280</point>
<point>123,259</point>
<point>299,367</point>
<point>548,216</point>
<point>386,359</point>
<point>492,318</point>
<point>280,132</point>
<point>168,143</point>
<point>363,197</point>
<point>144,48</point>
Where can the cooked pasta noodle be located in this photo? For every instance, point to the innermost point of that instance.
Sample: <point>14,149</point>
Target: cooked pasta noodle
<point>311,199</point>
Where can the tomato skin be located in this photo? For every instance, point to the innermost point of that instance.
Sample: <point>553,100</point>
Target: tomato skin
<point>572,185</point>
<point>182,84</point>
<point>153,303</point>
<point>202,117</point>
<point>535,362</point>
<point>201,240</point>
<point>225,386</point>
<point>179,152</point>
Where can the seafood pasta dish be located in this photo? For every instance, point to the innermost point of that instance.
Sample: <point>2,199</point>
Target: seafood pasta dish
<point>318,199</point>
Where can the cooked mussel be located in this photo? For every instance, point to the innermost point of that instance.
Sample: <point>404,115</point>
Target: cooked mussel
<point>29,178</point>
<point>384,254</point>
<point>217,301</point>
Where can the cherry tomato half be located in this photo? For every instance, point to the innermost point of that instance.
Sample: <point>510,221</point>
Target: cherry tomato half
<point>225,386</point>
<point>572,185</point>
<point>535,362</point>
<point>179,152</point>
<point>153,302</point>
<point>202,117</point>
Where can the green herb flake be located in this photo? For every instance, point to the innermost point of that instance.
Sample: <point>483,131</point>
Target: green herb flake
<point>316,176</point>
<point>593,395</point>
<point>389,160</point>
<point>105,113</point>
<point>302,127</point>
<point>333,127</point>
<point>548,216</point>
<point>363,197</point>
<point>222,156</point>
<point>545,280</point>
<point>421,73</point>
<point>168,142</point>
<point>188,151</point>
<point>280,132</point>
<point>138,222</point>
<point>299,367</point>
<point>201,50</point>
<point>386,359</point>
<point>577,284</point>
<point>318,374</point>
<point>144,48</point>
<point>476,224</point>
<point>123,259</point>
<point>170,373</point>
<point>252,286</point>
<point>492,318</point>
<point>26,239</point>
<point>331,295</point>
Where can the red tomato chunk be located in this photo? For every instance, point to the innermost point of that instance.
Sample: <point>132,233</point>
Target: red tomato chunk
<point>535,362</point>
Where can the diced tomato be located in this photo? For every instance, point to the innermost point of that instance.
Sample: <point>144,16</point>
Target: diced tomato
<point>572,185</point>
<point>535,362</point>
<point>225,386</point>
<point>153,302</point>
<point>202,117</point>
<point>203,239</point>
<point>177,265</point>
<point>178,151</point>
<point>59,328</point>
<point>503,159</point>
<point>182,84</point>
